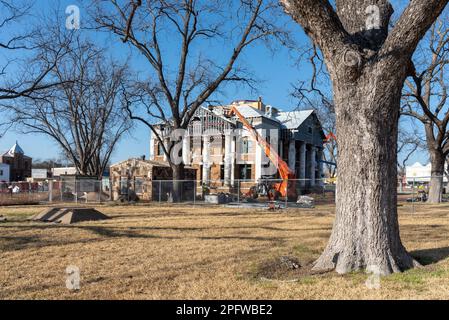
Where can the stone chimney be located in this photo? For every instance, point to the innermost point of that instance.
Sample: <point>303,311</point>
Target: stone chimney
<point>260,104</point>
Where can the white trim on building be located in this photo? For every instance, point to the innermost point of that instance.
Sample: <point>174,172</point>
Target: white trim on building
<point>4,172</point>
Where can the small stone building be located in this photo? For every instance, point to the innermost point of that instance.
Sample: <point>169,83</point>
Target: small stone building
<point>148,180</point>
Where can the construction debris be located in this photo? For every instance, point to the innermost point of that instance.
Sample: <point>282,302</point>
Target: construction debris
<point>285,268</point>
<point>306,202</point>
<point>220,198</point>
<point>69,215</point>
<point>290,263</point>
<point>273,206</point>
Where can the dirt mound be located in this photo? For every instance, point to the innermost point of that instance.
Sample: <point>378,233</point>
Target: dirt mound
<point>69,215</point>
<point>283,268</point>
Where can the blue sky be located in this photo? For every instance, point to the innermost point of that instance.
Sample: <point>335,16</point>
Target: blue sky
<point>277,71</point>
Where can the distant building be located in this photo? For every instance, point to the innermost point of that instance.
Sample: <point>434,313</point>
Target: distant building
<point>40,174</point>
<point>19,164</point>
<point>66,171</point>
<point>4,172</point>
<point>420,173</point>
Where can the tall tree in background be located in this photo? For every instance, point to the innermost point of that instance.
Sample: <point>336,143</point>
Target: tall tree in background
<point>326,114</point>
<point>325,111</point>
<point>425,99</point>
<point>408,143</point>
<point>368,64</point>
<point>193,33</point>
<point>30,74</point>
<point>84,115</point>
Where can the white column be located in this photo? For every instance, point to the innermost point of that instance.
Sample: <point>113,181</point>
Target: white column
<point>233,160</point>
<point>206,159</point>
<point>292,155</point>
<point>312,166</point>
<point>227,159</point>
<point>320,168</point>
<point>258,158</point>
<point>186,150</point>
<point>302,163</point>
<point>151,146</point>
<point>166,144</point>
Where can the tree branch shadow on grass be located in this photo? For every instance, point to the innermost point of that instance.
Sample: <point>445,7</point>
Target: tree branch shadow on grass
<point>430,256</point>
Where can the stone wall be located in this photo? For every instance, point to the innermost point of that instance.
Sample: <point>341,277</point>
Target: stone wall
<point>143,178</point>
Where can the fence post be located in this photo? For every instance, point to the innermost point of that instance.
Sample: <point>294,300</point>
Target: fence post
<point>194,192</point>
<point>413,196</point>
<point>50,191</point>
<point>160,191</point>
<point>286,195</point>
<point>238,190</point>
<point>182,186</point>
<point>76,193</point>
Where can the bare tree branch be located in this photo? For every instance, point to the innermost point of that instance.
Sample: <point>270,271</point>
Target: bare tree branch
<point>83,115</point>
<point>178,90</point>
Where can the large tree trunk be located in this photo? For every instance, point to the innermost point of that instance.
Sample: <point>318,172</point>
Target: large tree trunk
<point>436,179</point>
<point>178,177</point>
<point>368,62</point>
<point>366,230</point>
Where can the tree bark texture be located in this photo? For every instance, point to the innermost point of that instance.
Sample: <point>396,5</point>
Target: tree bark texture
<point>437,160</point>
<point>178,176</point>
<point>366,232</point>
<point>368,68</point>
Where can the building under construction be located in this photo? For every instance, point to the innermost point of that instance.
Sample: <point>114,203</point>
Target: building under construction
<point>222,150</point>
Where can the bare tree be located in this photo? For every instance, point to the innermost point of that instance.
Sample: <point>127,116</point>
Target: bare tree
<point>30,74</point>
<point>193,27</point>
<point>325,111</point>
<point>326,114</point>
<point>425,97</point>
<point>23,74</point>
<point>408,144</point>
<point>368,63</point>
<point>84,115</point>
<point>47,164</point>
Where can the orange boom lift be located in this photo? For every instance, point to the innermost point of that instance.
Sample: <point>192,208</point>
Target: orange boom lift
<point>329,137</point>
<point>286,188</point>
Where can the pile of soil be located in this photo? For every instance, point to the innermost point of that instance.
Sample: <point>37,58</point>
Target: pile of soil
<point>285,268</point>
<point>69,215</point>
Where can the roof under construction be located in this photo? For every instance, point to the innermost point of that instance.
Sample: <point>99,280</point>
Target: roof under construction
<point>287,120</point>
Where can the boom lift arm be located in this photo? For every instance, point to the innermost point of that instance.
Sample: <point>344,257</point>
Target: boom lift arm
<point>329,137</point>
<point>285,172</point>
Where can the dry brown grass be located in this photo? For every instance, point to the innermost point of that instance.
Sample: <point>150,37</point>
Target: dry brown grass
<point>175,252</point>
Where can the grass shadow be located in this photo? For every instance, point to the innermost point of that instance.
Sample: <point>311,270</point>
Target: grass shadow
<point>430,256</point>
<point>111,232</point>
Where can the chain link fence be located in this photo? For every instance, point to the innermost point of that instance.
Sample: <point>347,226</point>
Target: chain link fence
<point>238,192</point>
<point>413,193</point>
<point>74,191</point>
